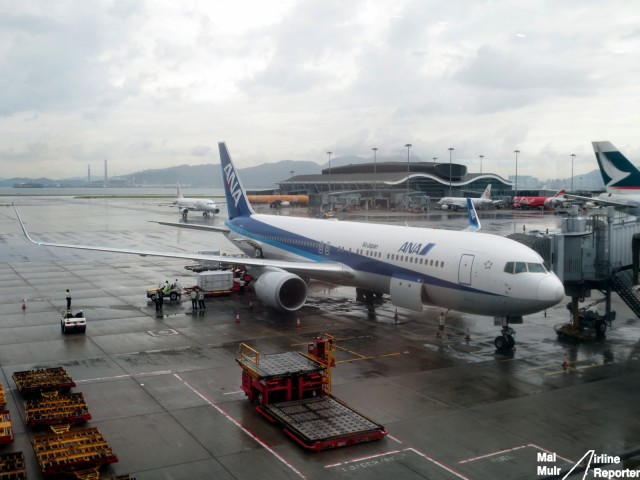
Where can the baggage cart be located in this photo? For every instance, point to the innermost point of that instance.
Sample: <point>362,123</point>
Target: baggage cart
<point>72,451</point>
<point>12,466</point>
<point>6,428</point>
<point>55,409</point>
<point>43,380</point>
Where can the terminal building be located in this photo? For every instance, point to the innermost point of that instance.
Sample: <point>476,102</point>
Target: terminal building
<point>393,185</point>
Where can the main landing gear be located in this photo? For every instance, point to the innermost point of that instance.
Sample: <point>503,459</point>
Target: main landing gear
<point>505,342</point>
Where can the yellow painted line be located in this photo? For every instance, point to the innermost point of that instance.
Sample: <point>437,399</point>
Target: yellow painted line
<point>390,354</point>
<point>355,359</point>
<point>349,351</point>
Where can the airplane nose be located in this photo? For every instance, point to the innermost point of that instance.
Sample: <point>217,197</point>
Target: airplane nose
<point>550,289</point>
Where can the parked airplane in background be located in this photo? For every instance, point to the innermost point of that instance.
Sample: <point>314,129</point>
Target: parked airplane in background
<point>470,272</point>
<point>454,203</point>
<point>621,178</point>
<point>206,206</point>
<point>530,203</point>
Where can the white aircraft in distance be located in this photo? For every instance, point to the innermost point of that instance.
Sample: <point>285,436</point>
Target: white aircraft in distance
<point>206,206</point>
<point>454,203</point>
<point>621,178</point>
<point>470,272</point>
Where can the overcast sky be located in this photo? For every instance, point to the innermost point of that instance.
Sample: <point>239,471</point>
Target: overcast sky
<point>158,83</point>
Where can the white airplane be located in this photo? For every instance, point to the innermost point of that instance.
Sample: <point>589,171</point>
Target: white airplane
<point>206,206</point>
<point>454,203</point>
<point>470,272</point>
<point>621,178</point>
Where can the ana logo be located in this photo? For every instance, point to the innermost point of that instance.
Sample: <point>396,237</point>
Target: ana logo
<point>416,248</point>
<point>232,182</point>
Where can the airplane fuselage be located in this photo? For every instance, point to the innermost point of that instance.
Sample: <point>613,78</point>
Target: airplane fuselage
<point>415,266</point>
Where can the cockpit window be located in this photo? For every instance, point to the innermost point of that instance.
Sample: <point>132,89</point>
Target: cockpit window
<point>536,268</point>
<point>521,267</point>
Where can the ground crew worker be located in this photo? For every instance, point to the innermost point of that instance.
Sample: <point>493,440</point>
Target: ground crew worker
<point>194,299</point>
<point>68,296</point>
<point>441,321</point>
<point>201,299</point>
<point>242,283</point>
<point>160,298</point>
<point>167,287</point>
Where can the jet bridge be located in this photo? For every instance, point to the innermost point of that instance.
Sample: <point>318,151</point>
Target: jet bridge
<point>592,252</point>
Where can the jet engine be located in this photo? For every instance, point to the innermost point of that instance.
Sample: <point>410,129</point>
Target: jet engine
<point>216,211</point>
<point>185,211</point>
<point>281,290</point>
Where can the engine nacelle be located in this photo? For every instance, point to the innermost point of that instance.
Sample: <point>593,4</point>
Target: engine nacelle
<point>185,211</point>
<point>281,290</point>
<point>216,211</point>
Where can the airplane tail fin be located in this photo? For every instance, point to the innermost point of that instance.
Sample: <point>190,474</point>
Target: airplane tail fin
<point>237,203</point>
<point>179,192</point>
<point>618,173</point>
<point>474,221</point>
<point>487,193</point>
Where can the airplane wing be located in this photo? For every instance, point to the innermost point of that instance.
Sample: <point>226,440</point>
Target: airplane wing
<point>305,268</point>
<point>598,200</point>
<point>195,226</point>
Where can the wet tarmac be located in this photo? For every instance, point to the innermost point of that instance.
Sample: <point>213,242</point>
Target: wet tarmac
<point>164,390</point>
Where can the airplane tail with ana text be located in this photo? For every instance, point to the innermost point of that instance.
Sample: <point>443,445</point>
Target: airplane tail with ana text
<point>618,173</point>
<point>237,203</point>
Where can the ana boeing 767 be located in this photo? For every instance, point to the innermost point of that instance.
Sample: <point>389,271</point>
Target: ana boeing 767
<point>466,271</point>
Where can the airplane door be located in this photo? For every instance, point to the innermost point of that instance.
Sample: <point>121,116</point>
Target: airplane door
<point>464,270</point>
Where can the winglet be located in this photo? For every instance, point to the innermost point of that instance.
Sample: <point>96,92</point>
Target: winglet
<point>24,230</point>
<point>237,202</point>
<point>474,221</point>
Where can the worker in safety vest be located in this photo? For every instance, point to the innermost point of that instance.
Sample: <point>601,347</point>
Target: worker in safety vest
<point>441,321</point>
<point>194,299</point>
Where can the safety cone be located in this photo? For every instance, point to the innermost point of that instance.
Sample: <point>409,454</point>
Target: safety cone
<point>297,322</point>
<point>237,318</point>
<point>24,304</point>
<point>565,363</point>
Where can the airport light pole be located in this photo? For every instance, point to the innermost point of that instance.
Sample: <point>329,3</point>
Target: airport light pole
<point>481,157</point>
<point>573,156</point>
<point>408,145</point>
<point>329,153</point>
<point>375,160</point>
<point>450,151</point>
<point>516,189</point>
<point>434,159</point>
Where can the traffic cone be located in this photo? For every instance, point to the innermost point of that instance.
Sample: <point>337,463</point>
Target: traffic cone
<point>237,318</point>
<point>24,304</point>
<point>565,363</point>
<point>297,322</point>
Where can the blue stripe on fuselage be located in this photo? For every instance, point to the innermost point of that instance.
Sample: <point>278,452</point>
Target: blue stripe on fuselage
<point>309,248</point>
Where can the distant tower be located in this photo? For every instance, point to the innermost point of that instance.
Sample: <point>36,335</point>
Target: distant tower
<point>106,178</point>
<point>89,173</point>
